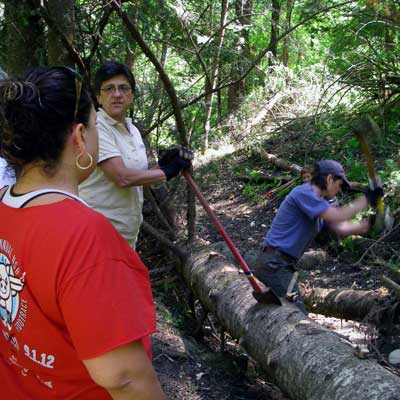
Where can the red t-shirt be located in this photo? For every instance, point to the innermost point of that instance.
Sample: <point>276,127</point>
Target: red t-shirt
<point>71,288</point>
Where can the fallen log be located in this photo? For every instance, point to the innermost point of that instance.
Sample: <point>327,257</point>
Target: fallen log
<point>295,168</point>
<point>280,162</point>
<point>357,305</point>
<point>306,360</point>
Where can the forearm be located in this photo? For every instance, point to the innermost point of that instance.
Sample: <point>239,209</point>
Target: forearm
<point>139,178</point>
<point>355,207</point>
<point>350,228</point>
<point>335,215</point>
<point>116,171</point>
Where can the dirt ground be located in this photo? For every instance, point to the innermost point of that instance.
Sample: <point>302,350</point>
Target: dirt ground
<point>193,369</point>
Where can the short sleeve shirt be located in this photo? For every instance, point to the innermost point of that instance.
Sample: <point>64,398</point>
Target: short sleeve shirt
<point>297,221</point>
<point>73,290</point>
<point>122,206</point>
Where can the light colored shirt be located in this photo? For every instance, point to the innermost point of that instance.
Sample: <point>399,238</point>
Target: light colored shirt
<point>6,176</point>
<point>122,206</point>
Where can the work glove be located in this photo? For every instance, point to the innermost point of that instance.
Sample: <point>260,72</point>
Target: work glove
<point>174,160</point>
<point>373,195</point>
<point>170,153</point>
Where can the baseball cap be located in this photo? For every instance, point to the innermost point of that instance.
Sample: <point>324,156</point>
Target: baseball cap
<point>333,167</point>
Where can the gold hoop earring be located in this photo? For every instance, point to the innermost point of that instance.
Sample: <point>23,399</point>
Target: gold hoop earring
<point>78,163</point>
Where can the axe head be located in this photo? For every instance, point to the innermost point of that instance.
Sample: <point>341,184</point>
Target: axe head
<point>366,126</point>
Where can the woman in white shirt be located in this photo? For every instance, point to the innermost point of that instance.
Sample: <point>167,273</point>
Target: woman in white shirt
<point>115,187</point>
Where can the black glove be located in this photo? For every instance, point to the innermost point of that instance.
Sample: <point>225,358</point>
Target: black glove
<point>173,166</point>
<point>373,195</point>
<point>169,154</point>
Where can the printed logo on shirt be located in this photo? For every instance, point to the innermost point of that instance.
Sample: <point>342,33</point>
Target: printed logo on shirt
<point>10,287</point>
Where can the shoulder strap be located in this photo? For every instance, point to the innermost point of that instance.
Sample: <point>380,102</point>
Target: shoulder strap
<point>4,192</point>
<point>20,201</point>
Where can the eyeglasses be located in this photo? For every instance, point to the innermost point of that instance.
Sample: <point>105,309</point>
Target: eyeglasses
<point>124,89</point>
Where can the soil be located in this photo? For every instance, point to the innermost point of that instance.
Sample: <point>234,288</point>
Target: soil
<point>195,368</point>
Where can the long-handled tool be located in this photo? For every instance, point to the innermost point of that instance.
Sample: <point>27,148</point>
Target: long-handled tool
<point>223,233</point>
<point>360,130</point>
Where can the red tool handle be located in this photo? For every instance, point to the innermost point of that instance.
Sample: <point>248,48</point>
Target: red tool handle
<point>222,231</point>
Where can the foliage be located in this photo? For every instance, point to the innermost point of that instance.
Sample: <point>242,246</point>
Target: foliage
<point>347,50</point>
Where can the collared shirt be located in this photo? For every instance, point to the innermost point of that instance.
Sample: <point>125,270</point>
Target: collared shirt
<point>122,206</point>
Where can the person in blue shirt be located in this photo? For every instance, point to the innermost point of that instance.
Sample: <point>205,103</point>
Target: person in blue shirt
<point>299,218</point>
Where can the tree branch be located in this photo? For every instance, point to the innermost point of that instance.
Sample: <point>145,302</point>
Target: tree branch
<point>163,75</point>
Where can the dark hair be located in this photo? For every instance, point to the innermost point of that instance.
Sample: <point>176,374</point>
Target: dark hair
<point>319,179</point>
<point>110,69</point>
<point>307,169</point>
<point>37,111</point>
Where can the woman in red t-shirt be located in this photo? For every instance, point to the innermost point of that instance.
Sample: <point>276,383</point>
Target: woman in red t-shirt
<point>76,309</point>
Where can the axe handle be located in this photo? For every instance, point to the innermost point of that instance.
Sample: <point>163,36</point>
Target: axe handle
<point>223,233</point>
<point>368,156</point>
<point>380,207</point>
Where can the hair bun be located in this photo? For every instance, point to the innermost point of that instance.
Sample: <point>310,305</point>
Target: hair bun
<point>12,90</point>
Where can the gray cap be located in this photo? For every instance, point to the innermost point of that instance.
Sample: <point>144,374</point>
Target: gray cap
<point>333,167</point>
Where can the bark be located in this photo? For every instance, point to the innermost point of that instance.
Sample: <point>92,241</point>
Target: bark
<point>275,16</point>
<point>286,39</point>
<point>130,56</point>
<point>280,162</point>
<point>24,36</point>
<point>103,21</point>
<point>160,236</point>
<point>72,51</point>
<point>305,360</point>
<point>211,83</point>
<point>158,89</point>
<point>357,305</point>
<point>236,91</point>
<point>63,15</point>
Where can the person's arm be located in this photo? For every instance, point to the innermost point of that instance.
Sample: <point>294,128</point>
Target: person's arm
<point>126,373</point>
<point>335,215</point>
<point>347,228</point>
<point>115,170</point>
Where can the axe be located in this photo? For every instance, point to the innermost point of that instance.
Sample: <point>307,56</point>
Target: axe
<point>364,127</point>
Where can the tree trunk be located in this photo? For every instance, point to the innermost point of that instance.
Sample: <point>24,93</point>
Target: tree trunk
<point>305,360</point>
<point>236,91</point>
<point>63,14</point>
<point>280,162</point>
<point>211,85</point>
<point>273,43</point>
<point>24,36</point>
<point>357,305</point>
<point>130,57</point>
<point>286,39</point>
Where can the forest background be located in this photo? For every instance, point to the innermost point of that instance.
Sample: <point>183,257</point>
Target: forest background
<point>233,74</point>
